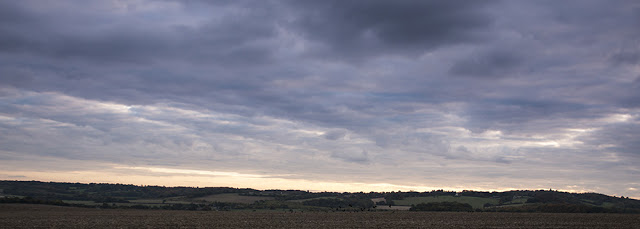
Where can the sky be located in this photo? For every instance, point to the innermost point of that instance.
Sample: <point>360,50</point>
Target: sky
<point>323,95</point>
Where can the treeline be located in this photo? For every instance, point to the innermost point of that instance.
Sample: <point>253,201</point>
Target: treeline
<point>563,208</point>
<point>339,203</point>
<point>211,206</point>
<point>191,207</point>
<point>102,192</point>
<point>532,197</point>
<point>31,200</point>
<point>121,195</point>
<point>538,208</point>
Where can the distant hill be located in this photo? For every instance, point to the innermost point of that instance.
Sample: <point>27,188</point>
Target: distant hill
<point>225,198</point>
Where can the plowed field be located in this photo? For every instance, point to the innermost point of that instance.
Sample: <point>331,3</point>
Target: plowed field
<point>42,216</point>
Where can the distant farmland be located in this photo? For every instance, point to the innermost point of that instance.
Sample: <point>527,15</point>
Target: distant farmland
<point>233,198</point>
<point>110,196</point>
<point>46,216</point>
<point>475,202</point>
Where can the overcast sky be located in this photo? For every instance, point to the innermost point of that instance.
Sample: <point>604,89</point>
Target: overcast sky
<point>323,95</point>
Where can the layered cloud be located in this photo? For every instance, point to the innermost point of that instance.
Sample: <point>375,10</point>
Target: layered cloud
<point>464,95</point>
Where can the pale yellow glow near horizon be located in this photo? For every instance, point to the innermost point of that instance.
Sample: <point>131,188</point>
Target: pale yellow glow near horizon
<point>200,178</point>
<point>193,172</point>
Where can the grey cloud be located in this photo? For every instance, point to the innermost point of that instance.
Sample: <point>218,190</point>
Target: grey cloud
<point>12,13</point>
<point>620,138</point>
<point>352,156</point>
<point>462,153</point>
<point>15,23</point>
<point>358,29</point>
<point>631,58</point>
<point>16,77</point>
<point>335,135</point>
<point>224,47</point>
<point>514,114</point>
<point>596,20</point>
<point>72,36</point>
<point>493,64</point>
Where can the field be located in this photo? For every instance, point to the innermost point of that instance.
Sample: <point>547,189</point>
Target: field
<point>395,207</point>
<point>36,216</point>
<point>475,202</point>
<point>232,198</point>
<point>227,198</point>
<point>303,200</point>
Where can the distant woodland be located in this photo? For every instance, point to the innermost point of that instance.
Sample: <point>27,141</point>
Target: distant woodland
<point>125,196</point>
